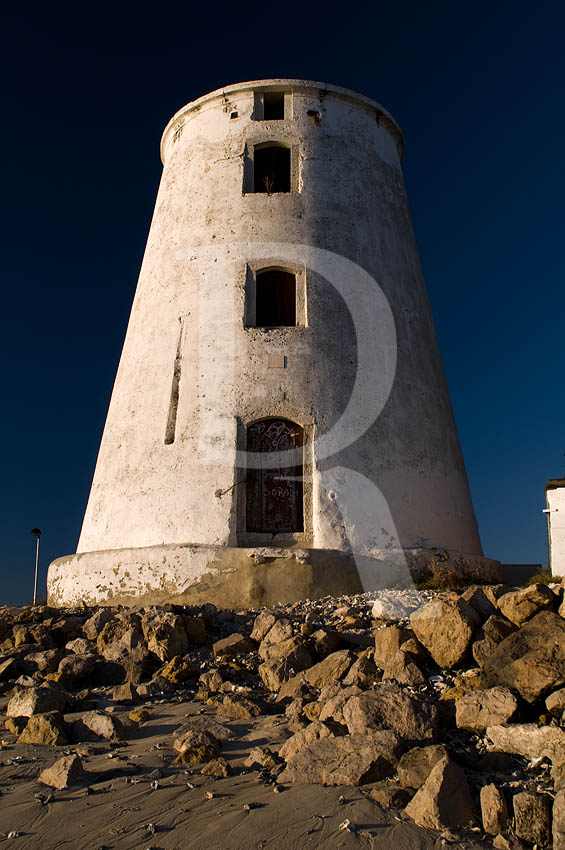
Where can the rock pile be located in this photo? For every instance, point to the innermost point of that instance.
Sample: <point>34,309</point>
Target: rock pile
<point>448,707</point>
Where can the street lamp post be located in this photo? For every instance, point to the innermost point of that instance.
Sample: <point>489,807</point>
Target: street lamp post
<point>37,534</point>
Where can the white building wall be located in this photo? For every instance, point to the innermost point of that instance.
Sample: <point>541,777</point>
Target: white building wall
<point>555,496</point>
<point>190,298</point>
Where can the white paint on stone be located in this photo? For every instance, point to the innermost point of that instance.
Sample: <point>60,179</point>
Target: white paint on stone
<point>555,499</point>
<point>208,235</point>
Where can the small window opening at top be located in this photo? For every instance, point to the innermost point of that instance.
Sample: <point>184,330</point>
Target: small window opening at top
<point>275,304</point>
<point>271,169</point>
<point>273,106</point>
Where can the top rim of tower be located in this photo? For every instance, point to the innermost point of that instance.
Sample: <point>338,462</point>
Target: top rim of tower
<point>381,114</point>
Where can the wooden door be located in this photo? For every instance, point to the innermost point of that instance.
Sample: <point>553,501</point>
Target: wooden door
<point>274,497</point>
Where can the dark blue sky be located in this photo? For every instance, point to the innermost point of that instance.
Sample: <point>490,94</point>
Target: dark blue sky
<point>478,90</point>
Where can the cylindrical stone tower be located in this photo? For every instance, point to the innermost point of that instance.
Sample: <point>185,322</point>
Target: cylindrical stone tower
<point>280,308</point>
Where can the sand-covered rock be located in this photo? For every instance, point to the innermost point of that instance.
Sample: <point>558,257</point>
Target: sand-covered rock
<point>66,772</point>
<point>47,729</point>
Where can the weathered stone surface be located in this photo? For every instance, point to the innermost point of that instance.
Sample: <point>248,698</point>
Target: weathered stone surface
<point>559,821</point>
<point>164,634</point>
<point>48,729</point>
<point>125,694</point>
<point>139,715</point>
<point>261,625</point>
<point>491,707</point>
<point>478,599</point>
<point>211,681</point>
<point>331,669</point>
<point>196,747</point>
<point>520,605</point>
<point>280,631</point>
<point>527,739</point>
<point>9,669</point>
<point>16,725</point>
<point>445,627</point>
<point>555,702</point>
<point>489,636</point>
<point>96,623</point>
<point>216,767</point>
<point>333,706</point>
<point>303,739</point>
<point>390,795</point>
<point>121,636</point>
<point>532,659</point>
<point>444,800</point>
<point>363,672</point>
<point>66,772</point>
<point>234,644</point>
<point>203,723</point>
<point>195,628</point>
<point>238,708</point>
<point>494,811</point>
<point>27,701</point>
<point>350,760</point>
<point>416,765</point>
<point>43,662</point>
<point>532,817</point>
<point>179,669</point>
<point>325,641</point>
<point>262,757</point>
<point>389,707</point>
<point>402,668</point>
<point>294,650</point>
<point>388,641</point>
<point>74,669</point>
<point>80,646</point>
<point>94,725</point>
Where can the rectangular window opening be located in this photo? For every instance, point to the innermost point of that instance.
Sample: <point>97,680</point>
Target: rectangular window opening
<point>271,169</point>
<point>273,106</point>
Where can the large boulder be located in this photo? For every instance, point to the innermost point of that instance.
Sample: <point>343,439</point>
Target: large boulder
<point>532,659</point>
<point>363,672</point>
<point>44,662</point>
<point>402,668</point>
<point>387,706</point>
<point>444,800</point>
<point>165,634</point>
<point>489,636</point>
<point>331,669</point>
<point>27,701</point>
<point>196,747</point>
<point>528,740</point>
<point>303,739</point>
<point>94,625</point>
<point>350,760</point>
<point>445,627</point>
<point>121,636</point>
<point>64,773</point>
<point>518,606</point>
<point>559,821</point>
<point>416,765</point>
<point>494,811</point>
<point>480,709</point>
<point>284,660</point>
<point>388,641</point>
<point>74,669</point>
<point>532,817</point>
<point>203,723</point>
<point>233,645</point>
<point>261,625</point>
<point>48,729</point>
<point>94,725</point>
<point>555,703</point>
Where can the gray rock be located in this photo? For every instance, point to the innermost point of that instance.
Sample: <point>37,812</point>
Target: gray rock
<point>532,817</point>
<point>165,634</point>
<point>489,636</point>
<point>94,725</point>
<point>48,729</point>
<point>491,707</point>
<point>518,606</point>
<point>494,811</point>
<point>350,760</point>
<point>303,739</point>
<point>66,772</point>
<point>402,668</point>
<point>445,627</point>
<point>528,740</point>
<point>444,800</point>
<point>96,623</point>
<point>387,706</point>
<point>390,795</point>
<point>261,625</point>
<point>203,723</point>
<point>532,659</point>
<point>363,672</point>
<point>26,701</point>
<point>388,641</point>
<point>333,668</point>
<point>559,821</point>
<point>233,645</point>
<point>416,765</point>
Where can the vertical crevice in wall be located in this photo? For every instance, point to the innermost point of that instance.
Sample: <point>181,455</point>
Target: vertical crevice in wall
<point>175,386</point>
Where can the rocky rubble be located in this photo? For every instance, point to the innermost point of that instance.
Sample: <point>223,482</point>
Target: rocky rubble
<point>446,707</point>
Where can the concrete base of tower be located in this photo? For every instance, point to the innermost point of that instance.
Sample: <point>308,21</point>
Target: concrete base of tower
<point>243,578</point>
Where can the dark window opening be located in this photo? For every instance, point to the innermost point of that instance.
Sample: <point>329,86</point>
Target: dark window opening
<point>275,303</point>
<point>271,172</point>
<point>274,497</point>
<point>273,106</point>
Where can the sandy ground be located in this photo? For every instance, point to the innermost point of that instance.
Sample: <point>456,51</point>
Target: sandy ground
<point>121,811</point>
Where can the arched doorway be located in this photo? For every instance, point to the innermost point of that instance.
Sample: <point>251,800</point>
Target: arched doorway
<point>274,497</point>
